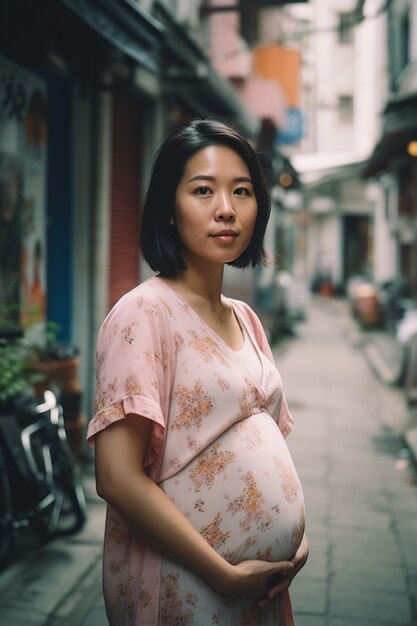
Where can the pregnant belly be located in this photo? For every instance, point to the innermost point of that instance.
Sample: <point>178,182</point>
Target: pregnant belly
<point>243,493</point>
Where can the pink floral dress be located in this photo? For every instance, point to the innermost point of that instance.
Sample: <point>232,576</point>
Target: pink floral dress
<point>217,449</point>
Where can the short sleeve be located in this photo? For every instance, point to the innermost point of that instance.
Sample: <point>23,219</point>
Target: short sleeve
<point>133,369</point>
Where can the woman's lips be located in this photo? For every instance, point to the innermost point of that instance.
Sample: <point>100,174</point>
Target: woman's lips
<point>225,236</point>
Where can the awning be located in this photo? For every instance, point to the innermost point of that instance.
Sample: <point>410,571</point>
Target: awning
<point>80,36</point>
<point>195,82</point>
<point>316,169</point>
<point>124,24</point>
<point>400,127</point>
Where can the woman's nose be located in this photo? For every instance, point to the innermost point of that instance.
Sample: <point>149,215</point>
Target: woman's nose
<point>224,209</point>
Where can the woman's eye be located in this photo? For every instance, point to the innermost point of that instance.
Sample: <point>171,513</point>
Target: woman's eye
<point>242,191</point>
<point>203,191</point>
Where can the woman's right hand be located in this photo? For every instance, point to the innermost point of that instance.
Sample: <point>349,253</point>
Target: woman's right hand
<point>251,578</point>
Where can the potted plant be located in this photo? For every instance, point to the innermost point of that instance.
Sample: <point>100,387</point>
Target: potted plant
<point>54,362</point>
<point>15,379</point>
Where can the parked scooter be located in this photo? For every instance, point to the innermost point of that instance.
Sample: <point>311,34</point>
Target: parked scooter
<point>394,299</point>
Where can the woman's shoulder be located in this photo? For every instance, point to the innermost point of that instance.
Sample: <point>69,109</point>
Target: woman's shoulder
<point>144,300</point>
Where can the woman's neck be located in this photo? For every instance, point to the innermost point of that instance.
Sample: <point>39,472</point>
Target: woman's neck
<point>203,291</point>
<point>207,285</point>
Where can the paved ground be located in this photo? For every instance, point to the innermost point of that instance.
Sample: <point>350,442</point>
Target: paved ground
<point>360,489</point>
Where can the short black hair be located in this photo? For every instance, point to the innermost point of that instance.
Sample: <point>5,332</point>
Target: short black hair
<point>160,243</point>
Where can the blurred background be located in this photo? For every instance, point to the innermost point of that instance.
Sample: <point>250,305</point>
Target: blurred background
<point>326,92</point>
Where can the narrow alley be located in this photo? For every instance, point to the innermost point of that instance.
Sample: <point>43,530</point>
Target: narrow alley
<point>360,487</point>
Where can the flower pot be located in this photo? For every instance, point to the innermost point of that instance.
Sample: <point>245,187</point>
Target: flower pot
<point>63,372</point>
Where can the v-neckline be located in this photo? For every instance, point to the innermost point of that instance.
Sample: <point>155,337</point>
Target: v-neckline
<point>203,322</point>
<point>246,332</point>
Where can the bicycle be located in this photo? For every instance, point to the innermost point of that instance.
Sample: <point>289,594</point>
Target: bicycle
<point>40,484</point>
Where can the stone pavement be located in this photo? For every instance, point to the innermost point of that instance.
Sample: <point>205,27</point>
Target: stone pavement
<point>359,482</point>
<point>360,490</point>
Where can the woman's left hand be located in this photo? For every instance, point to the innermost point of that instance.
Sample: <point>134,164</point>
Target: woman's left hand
<point>281,583</point>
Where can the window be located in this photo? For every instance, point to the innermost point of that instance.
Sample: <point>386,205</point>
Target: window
<point>345,28</point>
<point>345,108</point>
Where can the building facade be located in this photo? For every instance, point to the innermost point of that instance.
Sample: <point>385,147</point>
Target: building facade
<point>391,171</point>
<point>345,85</point>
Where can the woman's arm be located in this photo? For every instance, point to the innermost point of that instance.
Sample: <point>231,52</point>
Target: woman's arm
<point>121,480</point>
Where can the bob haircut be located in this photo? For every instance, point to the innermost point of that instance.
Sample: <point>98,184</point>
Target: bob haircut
<point>160,243</point>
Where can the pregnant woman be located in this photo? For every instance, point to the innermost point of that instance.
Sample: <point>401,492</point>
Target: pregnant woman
<point>205,518</point>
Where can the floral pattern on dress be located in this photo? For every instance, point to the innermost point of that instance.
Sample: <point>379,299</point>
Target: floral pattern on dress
<point>176,611</point>
<point>194,444</point>
<point>298,529</point>
<point>206,347</point>
<point>133,386</point>
<point>290,485</point>
<point>194,405</point>
<point>178,341</point>
<point>159,355</point>
<point>209,466</point>
<point>117,534</point>
<point>117,566</point>
<point>144,599</point>
<point>250,434</point>
<point>126,591</point>
<point>148,307</point>
<point>249,398</point>
<point>265,555</point>
<point>105,393</point>
<point>213,534</point>
<point>109,414</point>
<point>253,617</point>
<point>250,503</point>
<point>167,307</point>
<point>223,382</point>
<point>128,333</point>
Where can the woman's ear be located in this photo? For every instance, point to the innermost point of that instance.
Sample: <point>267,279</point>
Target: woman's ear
<point>171,221</point>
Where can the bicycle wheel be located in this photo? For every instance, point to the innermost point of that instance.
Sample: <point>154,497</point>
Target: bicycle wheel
<point>68,511</point>
<point>48,493</point>
<point>6,515</point>
<point>74,510</point>
<point>59,498</point>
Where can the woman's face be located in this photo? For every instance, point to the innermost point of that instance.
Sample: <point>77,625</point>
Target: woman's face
<point>216,206</point>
